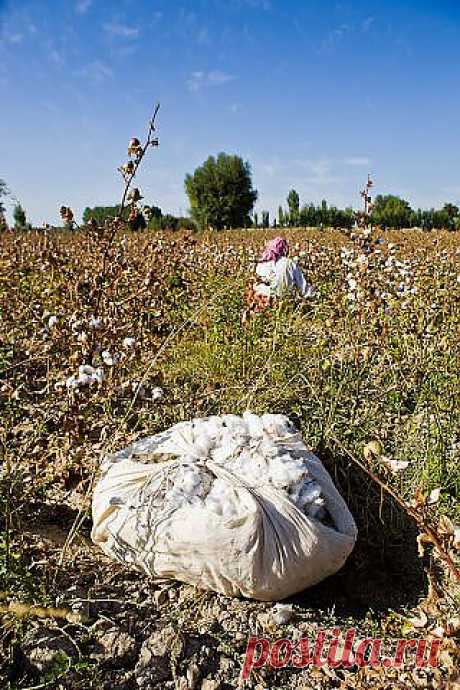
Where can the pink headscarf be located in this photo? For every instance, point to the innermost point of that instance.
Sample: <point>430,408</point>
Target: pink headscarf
<point>274,249</point>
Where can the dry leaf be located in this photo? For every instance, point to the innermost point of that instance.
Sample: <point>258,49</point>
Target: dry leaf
<point>372,449</point>
<point>422,539</point>
<point>419,622</point>
<point>453,626</point>
<point>439,631</point>
<point>419,499</point>
<point>456,540</point>
<point>394,465</point>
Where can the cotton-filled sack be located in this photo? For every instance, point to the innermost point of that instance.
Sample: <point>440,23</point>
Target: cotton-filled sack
<point>234,504</point>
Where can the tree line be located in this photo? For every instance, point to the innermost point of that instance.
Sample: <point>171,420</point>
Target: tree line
<point>222,196</point>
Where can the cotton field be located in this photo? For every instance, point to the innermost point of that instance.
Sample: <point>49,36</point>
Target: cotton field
<point>104,343</point>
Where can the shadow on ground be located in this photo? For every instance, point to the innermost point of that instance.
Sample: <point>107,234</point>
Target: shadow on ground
<point>384,572</point>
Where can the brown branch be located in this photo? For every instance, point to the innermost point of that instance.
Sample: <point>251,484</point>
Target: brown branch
<point>115,227</point>
<point>420,521</point>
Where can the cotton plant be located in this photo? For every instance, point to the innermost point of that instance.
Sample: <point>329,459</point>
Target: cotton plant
<point>87,376</point>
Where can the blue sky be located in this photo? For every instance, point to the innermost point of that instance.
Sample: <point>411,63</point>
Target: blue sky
<point>314,94</point>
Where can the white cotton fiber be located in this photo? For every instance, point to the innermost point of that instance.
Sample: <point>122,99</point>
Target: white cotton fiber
<point>251,448</point>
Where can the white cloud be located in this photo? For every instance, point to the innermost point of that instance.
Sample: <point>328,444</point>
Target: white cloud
<point>199,80</point>
<point>190,27</point>
<point>15,38</point>
<point>56,57</point>
<point>320,171</point>
<point>357,160</point>
<point>333,38</point>
<point>82,6</point>
<point>202,36</point>
<point>121,30</point>
<point>95,72</point>
<point>257,4</point>
<point>336,35</point>
<point>367,23</point>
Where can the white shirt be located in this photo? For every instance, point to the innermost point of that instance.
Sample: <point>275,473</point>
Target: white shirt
<point>281,277</point>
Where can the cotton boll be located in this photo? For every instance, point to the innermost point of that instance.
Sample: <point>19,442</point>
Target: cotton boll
<point>109,359</point>
<point>215,505</point>
<point>279,477</point>
<point>98,376</point>
<point>286,471</point>
<point>316,509</point>
<point>235,425</point>
<point>189,484</point>
<point>129,343</point>
<point>200,426</point>
<point>221,499</point>
<point>52,321</point>
<point>215,422</point>
<point>94,323</point>
<point>157,394</point>
<point>225,449</point>
<point>310,492</point>
<point>72,383</point>
<point>277,425</point>
<point>254,425</point>
<point>86,370</point>
<point>203,444</point>
<point>281,614</point>
<point>267,448</point>
<point>187,487</point>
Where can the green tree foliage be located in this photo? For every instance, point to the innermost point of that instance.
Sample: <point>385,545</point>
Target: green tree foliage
<point>265,219</point>
<point>19,216</point>
<point>293,201</point>
<point>150,217</point>
<point>326,216</point>
<point>391,211</point>
<point>256,220</point>
<point>281,220</point>
<point>448,217</point>
<point>3,192</point>
<point>170,222</point>
<point>154,216</point>
<point>100,213</point>
<point>220,192</point>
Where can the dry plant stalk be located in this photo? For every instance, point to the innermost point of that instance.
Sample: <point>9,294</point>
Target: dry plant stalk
<point>427,533</point>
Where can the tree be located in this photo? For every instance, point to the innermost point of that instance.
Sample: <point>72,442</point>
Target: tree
<point>100,213</point>
<point>281,219</point>
<point>256,220</point>
<point>3,192</point>
<point>265,219</point>
<point>391,211</point>
<point>220,192</point>
<point>451,213</point>
<point>153,215</point>
<point>19,216</point>
<point>293,201</point>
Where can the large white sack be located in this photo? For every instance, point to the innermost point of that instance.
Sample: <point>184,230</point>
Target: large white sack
<point>225,503</point>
